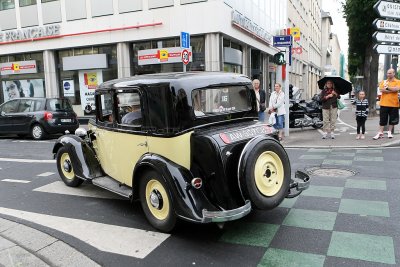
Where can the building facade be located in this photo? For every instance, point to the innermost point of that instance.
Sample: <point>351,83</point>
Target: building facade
<point>306,67</point>
<point>331,51</point>
<point>67,47</point>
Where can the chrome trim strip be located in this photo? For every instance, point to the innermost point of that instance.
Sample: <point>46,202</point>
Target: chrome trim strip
<point>226,215</point>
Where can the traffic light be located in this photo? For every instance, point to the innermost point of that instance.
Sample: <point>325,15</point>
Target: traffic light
<point>279,58</point>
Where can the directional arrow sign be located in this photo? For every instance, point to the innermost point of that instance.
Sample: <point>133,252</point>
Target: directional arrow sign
<point>386,37</point>
<point>388,25</point>
<point>387,49</point>
<point>388,9</point>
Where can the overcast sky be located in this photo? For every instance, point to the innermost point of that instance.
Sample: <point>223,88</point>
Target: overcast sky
<point>339,27</point>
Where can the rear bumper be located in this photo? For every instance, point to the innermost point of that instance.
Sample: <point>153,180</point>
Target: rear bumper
<point>53,129</point>
<point>298,184</point>
<point>226,215</point>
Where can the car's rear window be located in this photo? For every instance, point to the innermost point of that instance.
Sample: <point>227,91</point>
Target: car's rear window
<point>221,100</point>
<point>58,105</point>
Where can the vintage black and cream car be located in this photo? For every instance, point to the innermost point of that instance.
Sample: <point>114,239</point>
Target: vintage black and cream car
<point>187,145</point>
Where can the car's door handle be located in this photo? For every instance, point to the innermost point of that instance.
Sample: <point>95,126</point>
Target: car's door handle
<point>143,144</point>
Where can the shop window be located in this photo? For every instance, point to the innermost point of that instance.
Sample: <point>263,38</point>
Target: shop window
<point>6,4</point>
<point>82,83</point>
<point>23,3</point>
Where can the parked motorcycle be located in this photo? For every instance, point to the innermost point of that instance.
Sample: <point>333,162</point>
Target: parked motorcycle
<point>305,114</point>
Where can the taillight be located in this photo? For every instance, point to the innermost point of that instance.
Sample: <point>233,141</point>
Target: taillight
<point>48,116</point>
<point>197,183</point>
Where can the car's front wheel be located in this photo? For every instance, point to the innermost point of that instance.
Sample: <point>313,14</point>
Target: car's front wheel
<point>156,201</point>
<point>65,169</point>
<point>37,132</point>
<point>266,178</point>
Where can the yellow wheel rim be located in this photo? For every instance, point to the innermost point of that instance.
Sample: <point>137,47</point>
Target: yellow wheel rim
<point>157,199</point>
<point>66,166</point>
<point>269,173</point>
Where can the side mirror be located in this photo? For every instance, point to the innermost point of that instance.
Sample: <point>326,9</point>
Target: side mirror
<point>2,113</point>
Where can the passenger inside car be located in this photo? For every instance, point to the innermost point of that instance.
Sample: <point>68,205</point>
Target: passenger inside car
<point>133,117</point>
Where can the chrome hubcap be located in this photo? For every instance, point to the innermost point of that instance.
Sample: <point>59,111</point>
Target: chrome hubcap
<point>37,131</point>
<point>67,166</point>
<point>156,199</point>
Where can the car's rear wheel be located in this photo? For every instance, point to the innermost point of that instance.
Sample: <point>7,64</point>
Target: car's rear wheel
<point>37,132</point>
<point>156,201</point>
<point>65,169</point>
<point>267,175</point>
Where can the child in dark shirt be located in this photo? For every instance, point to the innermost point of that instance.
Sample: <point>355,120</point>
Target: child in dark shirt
<point>361,114</point>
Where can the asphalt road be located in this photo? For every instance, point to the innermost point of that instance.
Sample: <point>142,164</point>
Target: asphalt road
<point>339,221</point>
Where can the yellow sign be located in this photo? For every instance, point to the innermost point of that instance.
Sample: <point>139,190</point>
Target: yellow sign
<point>15,67</point>
<point>295,32</point>
<point>91,80</point>
<point>163,55</point>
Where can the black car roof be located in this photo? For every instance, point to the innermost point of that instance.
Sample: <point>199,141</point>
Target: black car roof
<point>186,80</point>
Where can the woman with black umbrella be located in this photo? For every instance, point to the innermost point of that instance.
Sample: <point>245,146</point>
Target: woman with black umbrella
<point>329,97</point>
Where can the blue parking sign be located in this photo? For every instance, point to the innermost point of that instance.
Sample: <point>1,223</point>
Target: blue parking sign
<point>185,40</point>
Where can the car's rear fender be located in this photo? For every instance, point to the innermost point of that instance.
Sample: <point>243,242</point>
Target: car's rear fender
<point>83,157</point>
<point>187,201</point>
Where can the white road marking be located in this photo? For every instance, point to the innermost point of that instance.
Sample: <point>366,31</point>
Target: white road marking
<point>59,187</point>
<point>29,160</point>
<point>120,240</point>
<point>341,122</point>
<point>30,141</point>
<point>16,181</point>
<point>45,174</point>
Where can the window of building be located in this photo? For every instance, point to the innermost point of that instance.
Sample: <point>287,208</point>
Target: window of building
<point>27,2</point>
<point>6,4</point>
<point>75,78</point>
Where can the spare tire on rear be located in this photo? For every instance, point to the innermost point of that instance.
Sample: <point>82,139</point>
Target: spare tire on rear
<point>266,176</point>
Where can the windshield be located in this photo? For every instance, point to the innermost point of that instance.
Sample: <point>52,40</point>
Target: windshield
<point>59,105</point>
<point>214,101</point>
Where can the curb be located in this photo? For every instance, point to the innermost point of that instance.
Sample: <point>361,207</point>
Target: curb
<point>26,246</point>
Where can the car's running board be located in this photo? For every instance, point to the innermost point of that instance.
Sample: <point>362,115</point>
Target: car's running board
<point>112,185</point>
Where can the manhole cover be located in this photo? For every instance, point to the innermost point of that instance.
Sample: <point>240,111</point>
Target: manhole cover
<point>330,172</point>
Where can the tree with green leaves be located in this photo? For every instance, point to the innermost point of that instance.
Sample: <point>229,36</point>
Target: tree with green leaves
<point>362,59</point>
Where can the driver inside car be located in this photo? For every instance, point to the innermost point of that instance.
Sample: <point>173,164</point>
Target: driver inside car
<point>133,117</point>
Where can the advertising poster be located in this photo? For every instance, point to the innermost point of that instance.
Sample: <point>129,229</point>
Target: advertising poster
<point>88,82</point>
<point>23,88</point>
<point>69,88</point>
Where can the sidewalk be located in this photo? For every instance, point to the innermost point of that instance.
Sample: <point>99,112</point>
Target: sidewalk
<point>345,134</point>
<point>21,245</point>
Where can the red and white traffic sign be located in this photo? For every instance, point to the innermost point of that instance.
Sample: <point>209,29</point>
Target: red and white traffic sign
<point>185,56</point>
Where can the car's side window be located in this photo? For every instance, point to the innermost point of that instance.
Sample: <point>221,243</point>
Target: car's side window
<point>129,109</point>
<point>10,107</point>
<point>106,112</point>
<point>26,105</point>
<point>37,105</point>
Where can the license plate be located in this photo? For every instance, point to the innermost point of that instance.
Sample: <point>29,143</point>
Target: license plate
<point>66,120</point>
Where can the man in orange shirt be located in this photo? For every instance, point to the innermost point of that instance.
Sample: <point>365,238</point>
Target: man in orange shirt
<point>389,104</point>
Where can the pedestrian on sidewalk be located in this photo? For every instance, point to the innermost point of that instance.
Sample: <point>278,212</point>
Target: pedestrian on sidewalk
<point>260,96</point>
<point>277,106</point>
<point>389,110</point>
<point>329,97</point>
<point>362,109</point>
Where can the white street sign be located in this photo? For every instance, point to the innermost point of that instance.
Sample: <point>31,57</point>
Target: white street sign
<point>388,25</point>
<point>386,37</point>
<point>388,9</point>
<point>387,49</point>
